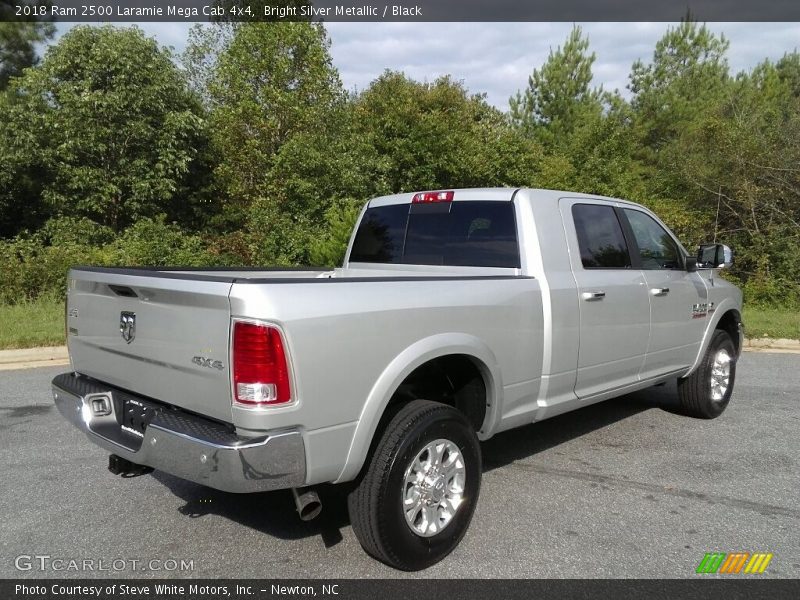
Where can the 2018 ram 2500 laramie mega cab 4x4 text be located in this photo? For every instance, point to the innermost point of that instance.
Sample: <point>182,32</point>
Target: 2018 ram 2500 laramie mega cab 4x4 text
<point>457,314</point>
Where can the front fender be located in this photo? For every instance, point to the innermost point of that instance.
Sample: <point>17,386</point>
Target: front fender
<point>725,305</point>
<point>401,367</point>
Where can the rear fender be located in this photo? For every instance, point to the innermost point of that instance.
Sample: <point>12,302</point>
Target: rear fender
<point>401,367</point>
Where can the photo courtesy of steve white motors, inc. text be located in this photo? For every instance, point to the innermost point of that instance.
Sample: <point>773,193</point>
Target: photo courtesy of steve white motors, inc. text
<point>170,589</point>
<point>214,10</point>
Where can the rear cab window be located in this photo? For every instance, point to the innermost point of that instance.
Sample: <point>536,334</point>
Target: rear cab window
<point>467,233</point>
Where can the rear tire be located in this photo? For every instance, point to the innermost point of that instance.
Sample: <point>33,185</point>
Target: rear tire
<point>706,393</point>
<point>417,495</point>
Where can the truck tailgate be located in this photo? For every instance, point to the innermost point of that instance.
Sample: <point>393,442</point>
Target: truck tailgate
<point>158,336</point>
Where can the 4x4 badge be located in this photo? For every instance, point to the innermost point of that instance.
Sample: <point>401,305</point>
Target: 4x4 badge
<point>127,325</point>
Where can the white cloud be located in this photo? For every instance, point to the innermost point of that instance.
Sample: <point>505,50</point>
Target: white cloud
<point>497,58</point>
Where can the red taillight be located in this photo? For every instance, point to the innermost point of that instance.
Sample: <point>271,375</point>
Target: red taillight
<point>425,197</point>
<point>260,370</point>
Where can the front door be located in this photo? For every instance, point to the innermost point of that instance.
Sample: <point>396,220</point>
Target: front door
<point>612,295</point>
<point>678,299</point>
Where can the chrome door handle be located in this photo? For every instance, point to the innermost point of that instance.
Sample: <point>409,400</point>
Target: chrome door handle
<point>659,291</point>
<point>593,295</point>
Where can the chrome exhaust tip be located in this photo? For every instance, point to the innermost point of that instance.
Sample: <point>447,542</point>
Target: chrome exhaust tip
<point>307,502</point>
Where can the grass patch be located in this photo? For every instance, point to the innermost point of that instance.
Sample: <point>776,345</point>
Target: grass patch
<point>32,324</point>
<point>771,322</point>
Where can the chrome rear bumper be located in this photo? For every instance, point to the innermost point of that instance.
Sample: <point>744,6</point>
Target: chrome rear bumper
<point>178,442</point>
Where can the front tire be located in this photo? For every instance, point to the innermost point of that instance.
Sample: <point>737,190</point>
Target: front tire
<point>416,498</point>
<point>706,393</point>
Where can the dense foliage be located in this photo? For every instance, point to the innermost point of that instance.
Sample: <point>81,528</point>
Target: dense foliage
<point>247,149</point>
<point>18,39</point>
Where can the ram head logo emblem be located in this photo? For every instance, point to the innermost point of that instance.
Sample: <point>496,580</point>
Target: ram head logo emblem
<point>127,325</point>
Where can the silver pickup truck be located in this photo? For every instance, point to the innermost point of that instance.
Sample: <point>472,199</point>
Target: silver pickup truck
<point>457,314</point>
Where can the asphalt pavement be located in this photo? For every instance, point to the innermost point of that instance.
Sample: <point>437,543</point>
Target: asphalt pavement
<point>625,488</point>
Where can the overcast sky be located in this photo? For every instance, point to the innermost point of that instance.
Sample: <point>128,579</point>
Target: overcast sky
<point>497,58</point>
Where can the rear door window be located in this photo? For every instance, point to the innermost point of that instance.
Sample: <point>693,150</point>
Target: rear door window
<point>600,238</point>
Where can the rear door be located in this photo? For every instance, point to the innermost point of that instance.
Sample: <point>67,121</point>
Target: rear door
<point>612,295</point>
<point>678,298</point>
<point>155,335</point>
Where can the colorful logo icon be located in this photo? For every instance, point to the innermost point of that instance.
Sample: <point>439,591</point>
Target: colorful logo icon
<point>734,562</point>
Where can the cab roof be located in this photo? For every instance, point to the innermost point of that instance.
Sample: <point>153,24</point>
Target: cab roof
<point>492,194</point>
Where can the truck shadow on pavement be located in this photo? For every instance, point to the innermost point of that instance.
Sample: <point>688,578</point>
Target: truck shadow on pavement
<point>523,442</point>
<point>273,513</point>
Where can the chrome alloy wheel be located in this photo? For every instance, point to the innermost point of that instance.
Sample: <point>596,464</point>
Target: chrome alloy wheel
<point>720,375</point>
<point>433,487</point>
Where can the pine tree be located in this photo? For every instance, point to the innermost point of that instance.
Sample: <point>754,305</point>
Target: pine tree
<point>559,95</point>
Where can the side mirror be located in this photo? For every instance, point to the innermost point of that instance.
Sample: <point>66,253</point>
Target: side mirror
<point>691,264</point>
<point>714,256</point>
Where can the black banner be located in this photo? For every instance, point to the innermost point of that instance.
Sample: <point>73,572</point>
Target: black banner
<point>477,589</point>
<point>396,10</point>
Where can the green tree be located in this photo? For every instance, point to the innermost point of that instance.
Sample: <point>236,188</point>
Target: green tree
<point>436,135</point>
<point>673,94</point>
<point>687,74</point>
<point>108,126</point>
<point>279,122</point>
<point>268,83</point>
<point>787,70</point>
<point>18,40</point>
<point>559,95</point>
<point>597,157</point>
<point>328,250</point>
<point>740,159</point>
<point>587,133</point>
<point>204,45</point>
<point>721,154</point>
<point>21,206</point>
<point>398,135</point>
